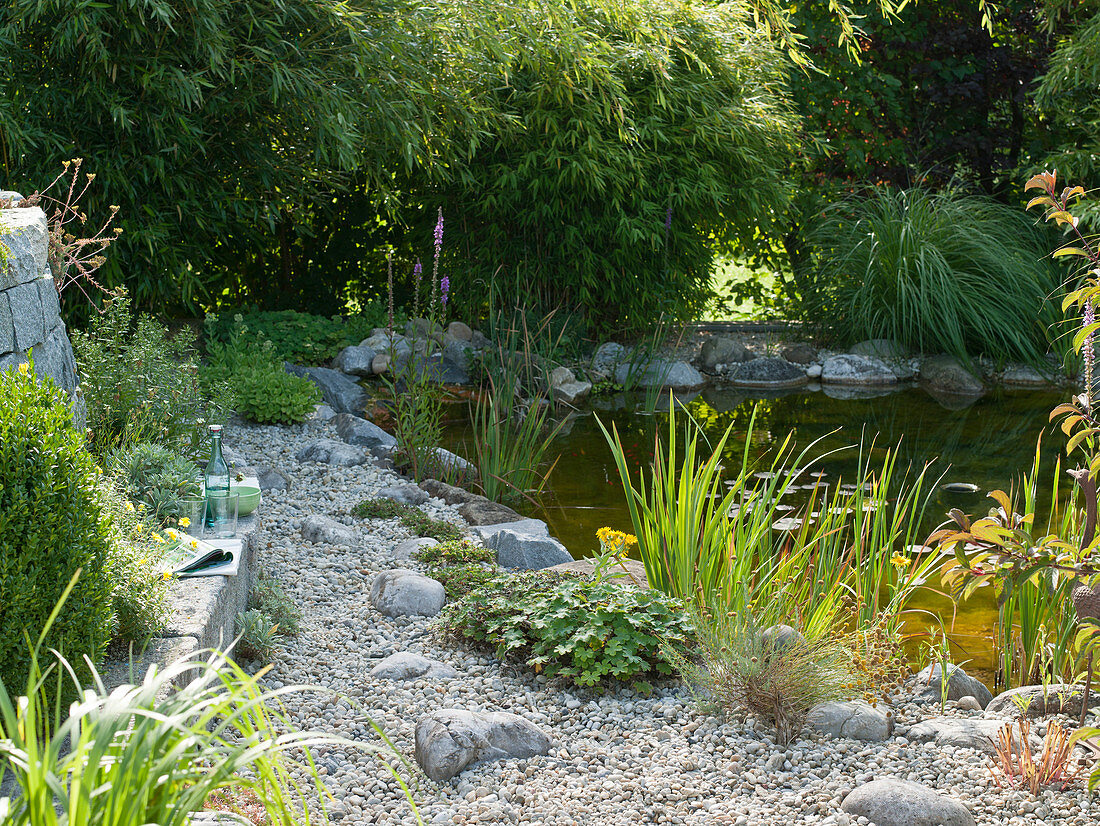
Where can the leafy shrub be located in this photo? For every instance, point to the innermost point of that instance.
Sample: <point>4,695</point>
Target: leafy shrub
<point>51,525</point>
<point>269,597</point>
<point>412,519</point>
<point>302,338</point>
<point>261,389</point>
<point>454,552</point>
<point>933,271</point>
<point>159,478</point>
<point>599,186</point>
<point>142,386</point>
<point>584,631</point>
<point>462,579</point>
<point>780,680</point>
<point>256,632</point>
<point>274,396</point>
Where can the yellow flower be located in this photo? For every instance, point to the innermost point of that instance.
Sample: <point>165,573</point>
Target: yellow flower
<point>899,561</point>
<point>185,522</point>
<point>129,506</point>
<point>172,533</point>
<point>24,369</point>
<point>158,538</point>
<point>139,528</point>
<point>194,544</point>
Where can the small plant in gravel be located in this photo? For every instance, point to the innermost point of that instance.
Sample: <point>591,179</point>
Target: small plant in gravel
<point>587,632</point>
<point>776,677</point>
<point>454,552</point>
<point>412,519</point>
<point>380,509</point>
<point>1015,765</point>
<point>256,635</point>
<point>269,597</point>
<point>460,580</point>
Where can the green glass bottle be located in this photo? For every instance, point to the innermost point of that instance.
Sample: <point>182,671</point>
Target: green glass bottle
<point>217,474</point>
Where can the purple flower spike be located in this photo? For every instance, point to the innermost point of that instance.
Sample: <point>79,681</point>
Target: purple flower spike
<point>439,233</point>
<point>444,288</point>
<point>1087,350</point>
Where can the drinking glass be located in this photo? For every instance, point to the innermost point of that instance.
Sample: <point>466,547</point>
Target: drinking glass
<point>222,514</point>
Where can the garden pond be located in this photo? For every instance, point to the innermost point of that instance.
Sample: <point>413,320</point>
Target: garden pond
<point>975,448</point>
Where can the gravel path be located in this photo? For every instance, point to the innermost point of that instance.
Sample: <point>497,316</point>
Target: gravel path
<point>618,759</point>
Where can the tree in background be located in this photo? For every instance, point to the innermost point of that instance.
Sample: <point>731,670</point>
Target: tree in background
<point>212,125</point>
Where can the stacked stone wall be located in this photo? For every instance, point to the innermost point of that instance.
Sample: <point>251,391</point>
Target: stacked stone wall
<point>30,312</point>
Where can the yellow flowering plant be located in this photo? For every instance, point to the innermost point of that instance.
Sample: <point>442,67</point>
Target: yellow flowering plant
<point>614,547</point>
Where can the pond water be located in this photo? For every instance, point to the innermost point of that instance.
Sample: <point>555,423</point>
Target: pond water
<point>987,444</point>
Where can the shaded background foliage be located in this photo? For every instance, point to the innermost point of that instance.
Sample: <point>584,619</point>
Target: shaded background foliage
<point>274,152</point>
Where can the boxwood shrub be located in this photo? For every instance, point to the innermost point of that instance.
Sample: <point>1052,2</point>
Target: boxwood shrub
<point>51,526</point>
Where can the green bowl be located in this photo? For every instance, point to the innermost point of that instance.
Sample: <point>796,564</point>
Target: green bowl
<point>248,498</point>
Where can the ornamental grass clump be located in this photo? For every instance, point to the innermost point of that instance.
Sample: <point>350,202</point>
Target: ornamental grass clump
<point>155,751</point>
<point>934,271</point>
<point>775,676</point>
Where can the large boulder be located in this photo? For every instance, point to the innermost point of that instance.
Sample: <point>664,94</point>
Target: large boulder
<point>482,511</point>
<point>323,529</point>
<point>1039,701</point>
<point>355,430</point>
<point>356,361</point>
<point>881,348</point>
<point>460,331</point>
<point>450,740</point>
<point>400,592</point>
<point>607,357</point>
<point>717,350</point>
<point>928,684</point>
<point>331,452</point>
<point>769,373</point>
<point>857,720</point>
<point>458,354</point>
<point>1023,375</point>
<point>405,494</point>
<point>893,802</point>
<point>340,393</point>
<point>408,666</point>
<point>944,374</point>
<point>964,733</point>
<point>857,370</point>
<point>449,493</point>
<point>800,353</point>
<point>677,375</point>
<point>633,575</point>
<point>525,544</point>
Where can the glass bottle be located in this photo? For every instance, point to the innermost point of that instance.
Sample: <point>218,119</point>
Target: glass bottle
<point>217,473</point>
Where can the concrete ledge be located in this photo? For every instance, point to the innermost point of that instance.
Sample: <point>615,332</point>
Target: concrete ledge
<point>204,613</point>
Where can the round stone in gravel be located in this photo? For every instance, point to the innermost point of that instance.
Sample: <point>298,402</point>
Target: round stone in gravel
<point>401,592</point>
<point>331,452</point>
<point>857,720</point>
<point>448,741</point>
<point>892,802</point>
<point>319,528</point>
<point>408,666</point>
<point>406,494</point>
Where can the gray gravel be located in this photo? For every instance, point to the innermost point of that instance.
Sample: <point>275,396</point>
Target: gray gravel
<point>619,759</point>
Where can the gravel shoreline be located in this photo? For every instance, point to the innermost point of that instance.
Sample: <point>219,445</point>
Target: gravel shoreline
<point>618,758</point>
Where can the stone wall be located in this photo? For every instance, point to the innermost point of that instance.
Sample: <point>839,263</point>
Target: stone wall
<point>30,313</point>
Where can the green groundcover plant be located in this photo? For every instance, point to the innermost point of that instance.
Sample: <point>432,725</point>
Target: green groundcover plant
<point>586,631</point>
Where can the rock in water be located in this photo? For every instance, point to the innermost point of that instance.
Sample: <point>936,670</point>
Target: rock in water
<point>858,370</point>
<point>525,544</point>
<point>401,592</point>
<point>450,740</point>
<point>892,802</point>
<point>768,373</point>
<point>944,374</point>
